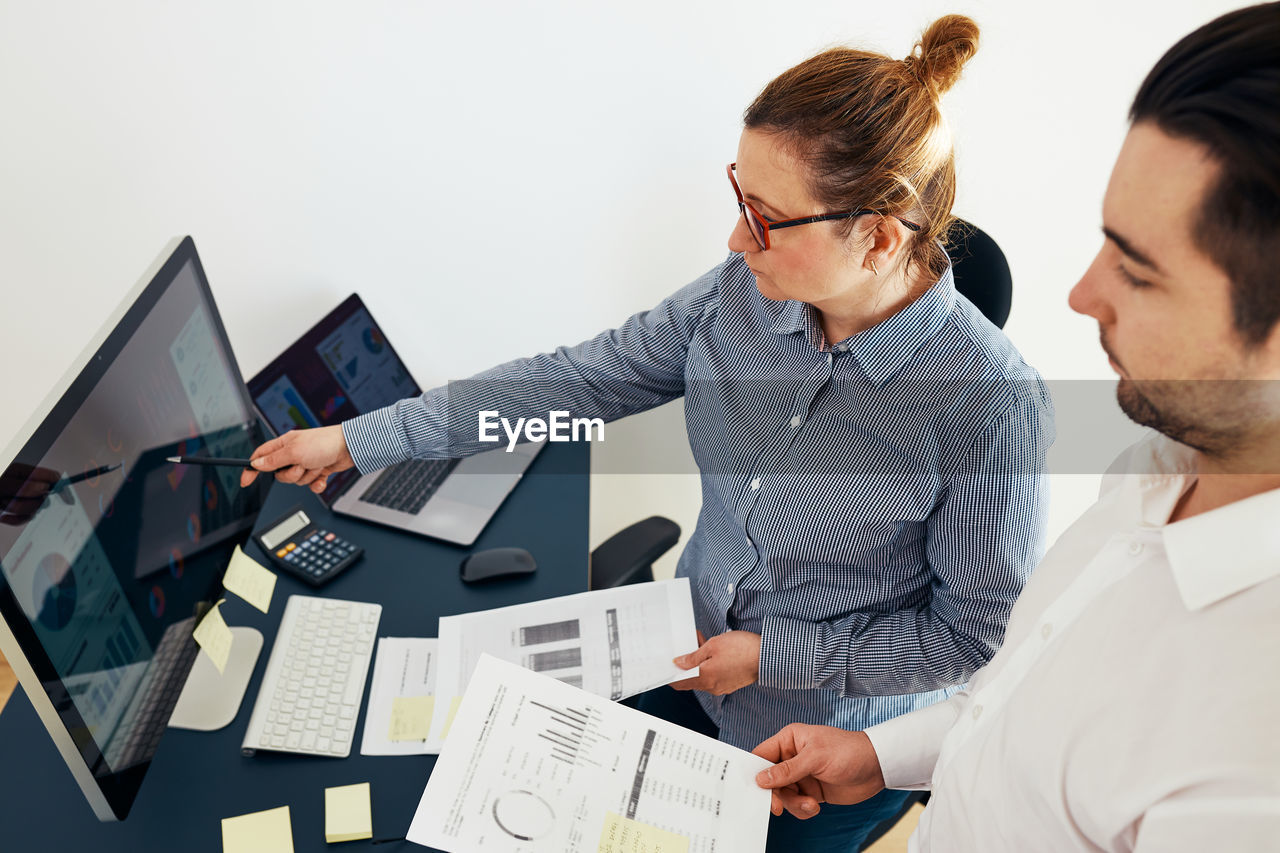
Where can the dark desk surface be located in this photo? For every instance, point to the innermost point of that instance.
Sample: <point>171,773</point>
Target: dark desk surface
<point>198,778</point>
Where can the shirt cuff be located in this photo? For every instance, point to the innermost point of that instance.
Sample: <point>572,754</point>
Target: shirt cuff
<point>908,746</point>
<point>787,651</point>
<point>375,440</point>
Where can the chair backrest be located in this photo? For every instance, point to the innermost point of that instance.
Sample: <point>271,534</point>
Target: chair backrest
<point>981,270</point>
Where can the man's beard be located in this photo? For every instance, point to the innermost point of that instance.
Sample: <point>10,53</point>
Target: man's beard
<point>1167,420</point>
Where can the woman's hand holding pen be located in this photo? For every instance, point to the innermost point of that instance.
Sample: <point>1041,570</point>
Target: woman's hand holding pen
<point>727,662</point>
<point>305,457</point>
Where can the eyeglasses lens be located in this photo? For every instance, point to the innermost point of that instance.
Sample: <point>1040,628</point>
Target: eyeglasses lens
<point>754,225</point>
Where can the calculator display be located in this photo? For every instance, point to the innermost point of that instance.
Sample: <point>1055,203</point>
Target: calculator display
<point>284,530</point>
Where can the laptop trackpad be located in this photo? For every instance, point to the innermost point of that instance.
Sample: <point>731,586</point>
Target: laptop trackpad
<point>485,490</point>
<point>484,479</point>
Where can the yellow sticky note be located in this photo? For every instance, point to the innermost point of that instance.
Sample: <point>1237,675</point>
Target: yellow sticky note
<point>213,635</point>
<point>250,580</point>
<point>411,717</point>
<point>453,712</point>
<point>347,816</point>
<point>261,832</point>
<point>624,835</point>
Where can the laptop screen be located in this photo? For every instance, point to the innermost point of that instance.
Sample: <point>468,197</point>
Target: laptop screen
<point>342,367</point>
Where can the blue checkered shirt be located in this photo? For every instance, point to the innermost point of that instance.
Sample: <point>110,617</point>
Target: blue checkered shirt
<point>871,509</point>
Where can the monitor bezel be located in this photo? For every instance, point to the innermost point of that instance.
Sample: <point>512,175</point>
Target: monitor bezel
<point>111,797</point>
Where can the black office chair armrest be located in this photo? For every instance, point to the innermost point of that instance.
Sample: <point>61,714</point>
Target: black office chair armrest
<point>627,556</point>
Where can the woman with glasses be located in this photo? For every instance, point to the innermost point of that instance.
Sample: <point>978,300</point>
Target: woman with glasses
<point>870,446</point>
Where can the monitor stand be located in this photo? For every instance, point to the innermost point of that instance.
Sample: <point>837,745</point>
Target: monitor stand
<point>211,699</point>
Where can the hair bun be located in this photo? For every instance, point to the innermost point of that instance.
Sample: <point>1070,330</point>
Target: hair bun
<point>942,51</point>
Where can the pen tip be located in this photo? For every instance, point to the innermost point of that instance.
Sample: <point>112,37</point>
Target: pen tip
<point>175,459</point>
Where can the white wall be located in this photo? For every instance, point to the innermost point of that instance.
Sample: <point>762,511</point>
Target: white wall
<point>498,178</point>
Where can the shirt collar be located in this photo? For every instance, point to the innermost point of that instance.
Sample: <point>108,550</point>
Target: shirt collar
<point>1226,550</point>
<point>883,349</point>
<point>1217,553</point>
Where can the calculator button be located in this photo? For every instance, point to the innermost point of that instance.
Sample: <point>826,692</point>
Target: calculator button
<point>330,537</point>
<point>291,546</point>
<point>282,552</point>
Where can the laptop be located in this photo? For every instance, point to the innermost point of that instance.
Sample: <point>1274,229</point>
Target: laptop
<point>344,367</point>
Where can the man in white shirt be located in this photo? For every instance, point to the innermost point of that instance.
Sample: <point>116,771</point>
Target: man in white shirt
<point>1135,704</point>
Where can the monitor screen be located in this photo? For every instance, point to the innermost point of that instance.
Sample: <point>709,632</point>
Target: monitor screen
<point>108,553</point>
<point>343,366</point>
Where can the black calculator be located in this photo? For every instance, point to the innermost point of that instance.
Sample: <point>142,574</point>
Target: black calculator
<point>296,544</point>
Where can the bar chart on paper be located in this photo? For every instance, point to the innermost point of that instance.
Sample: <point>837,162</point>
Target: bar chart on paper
<point>533,764</point>
<point>613,643</point>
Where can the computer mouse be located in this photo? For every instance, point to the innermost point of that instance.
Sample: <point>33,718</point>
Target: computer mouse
<point>497,563</point>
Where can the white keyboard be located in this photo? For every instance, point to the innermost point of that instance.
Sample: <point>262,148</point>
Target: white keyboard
<point>310,696</point>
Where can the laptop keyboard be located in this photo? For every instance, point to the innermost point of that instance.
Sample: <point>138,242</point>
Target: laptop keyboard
<point>409,485</point>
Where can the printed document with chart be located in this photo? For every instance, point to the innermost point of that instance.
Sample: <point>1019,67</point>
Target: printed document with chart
<point>533,765</point>
<point>614,643</point>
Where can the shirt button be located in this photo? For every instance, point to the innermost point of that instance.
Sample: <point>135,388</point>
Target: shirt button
<point>829,357</point>
<point>1046,630</point>
<point>729,588</point>
<point>977,711</point>
<point>795,422</point>
<point>1135,548</point>
<point>755,484</point>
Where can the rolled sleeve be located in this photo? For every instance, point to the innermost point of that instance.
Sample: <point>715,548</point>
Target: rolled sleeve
<point>787,654</point>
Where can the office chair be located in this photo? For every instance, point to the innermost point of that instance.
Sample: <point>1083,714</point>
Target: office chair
<point>982,274</point>
<point>627,557</point>
<point>981,270</point>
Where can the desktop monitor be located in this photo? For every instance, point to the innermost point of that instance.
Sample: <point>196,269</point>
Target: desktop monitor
<point>109,555</point>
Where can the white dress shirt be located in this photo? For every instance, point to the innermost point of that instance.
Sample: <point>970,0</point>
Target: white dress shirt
<point>1135,704</point>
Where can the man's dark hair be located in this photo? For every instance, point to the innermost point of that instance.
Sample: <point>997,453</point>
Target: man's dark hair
<point>1220,87</point>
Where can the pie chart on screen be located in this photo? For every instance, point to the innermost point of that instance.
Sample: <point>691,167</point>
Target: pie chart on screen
<point>54,592</point>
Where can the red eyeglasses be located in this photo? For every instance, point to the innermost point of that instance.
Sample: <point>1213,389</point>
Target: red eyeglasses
<point>760,227</point>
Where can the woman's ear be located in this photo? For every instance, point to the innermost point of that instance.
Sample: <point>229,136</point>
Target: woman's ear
<point>889,241</point>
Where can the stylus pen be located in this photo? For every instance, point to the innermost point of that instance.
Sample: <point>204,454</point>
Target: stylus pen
<point>210,460</point>
<point>81,477</point>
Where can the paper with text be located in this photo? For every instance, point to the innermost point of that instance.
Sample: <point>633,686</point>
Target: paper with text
<point>404,668</point>
<point>614,643</point>
<point>535,764</point>
<point>624,835</point>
